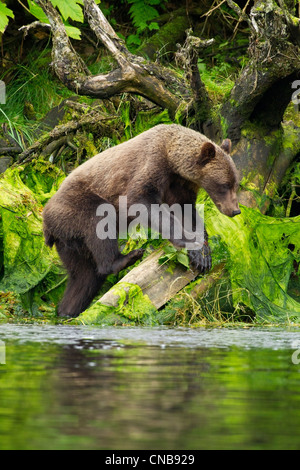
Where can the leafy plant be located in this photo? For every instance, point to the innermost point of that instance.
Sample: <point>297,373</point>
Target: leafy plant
<point>175,257</point>
<point>142,13</point>
<point>67,12</point>
<point>19,134</point>
<point>29,96</point>
<point>5,14</point>
<point>69,9</point>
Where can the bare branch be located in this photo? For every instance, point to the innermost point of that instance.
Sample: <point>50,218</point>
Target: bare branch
<point>241,13</point>
<point>66,61</point>
<point>61,133</point>
<point>187,56</point>
<point>135,75</point>
<point>105,33</point>
<point>33,25</point>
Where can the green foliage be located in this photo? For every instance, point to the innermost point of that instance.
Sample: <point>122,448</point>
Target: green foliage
<point>135,122</point>
<point>15,132</point>
<point>222,64</point>
<point>133,308</point>
<point>69,9</point>
<point>5,14</point>
<point>142,13</point>
<point>26,88</point>
<point>288,196</point>
<point>217,79</point>
<point>173,256</point>
<point>37,11</point>
<point>262,251</point>
<point>27,266</point>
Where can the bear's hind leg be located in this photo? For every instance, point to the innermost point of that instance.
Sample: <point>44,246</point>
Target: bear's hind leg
<point>124,261</point>
<point>84,282</point>
<point>106,253</point>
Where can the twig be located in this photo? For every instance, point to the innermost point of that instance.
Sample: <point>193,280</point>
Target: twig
<point>237,25</point>
<point>213,9</point>
<point>241,13</point>
<point>291,198</point>
<point>9,150</point>
<point>34,25</point>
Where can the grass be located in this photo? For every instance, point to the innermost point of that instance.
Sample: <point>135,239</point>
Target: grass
<point>215,307</point>
<point>31,91</point>
<point>218,80</point>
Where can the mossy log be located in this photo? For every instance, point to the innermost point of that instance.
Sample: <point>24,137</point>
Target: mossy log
<point>156,280</point>
<point>263,160</point>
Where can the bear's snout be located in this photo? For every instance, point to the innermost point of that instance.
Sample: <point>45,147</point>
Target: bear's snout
<point>237,212</point>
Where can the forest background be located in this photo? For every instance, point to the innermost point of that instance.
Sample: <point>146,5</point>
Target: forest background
<point>82,76</point>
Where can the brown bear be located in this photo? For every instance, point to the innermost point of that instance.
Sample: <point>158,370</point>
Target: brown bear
<point>166,164</point>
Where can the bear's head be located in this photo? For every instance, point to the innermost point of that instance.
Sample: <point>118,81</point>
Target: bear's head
<point>219,177</point>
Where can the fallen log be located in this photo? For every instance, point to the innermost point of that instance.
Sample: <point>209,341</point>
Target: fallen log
<point>156,280</point>
<point>159,282</point>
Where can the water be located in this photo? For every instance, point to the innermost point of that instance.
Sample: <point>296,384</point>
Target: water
<point>66,387</point>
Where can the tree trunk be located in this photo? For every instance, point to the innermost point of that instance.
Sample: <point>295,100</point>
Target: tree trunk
<point>264,146</point>
<point>257,101</point>
<point>133,75</point>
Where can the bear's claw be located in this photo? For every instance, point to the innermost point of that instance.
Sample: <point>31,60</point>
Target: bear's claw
<point>200,260</point>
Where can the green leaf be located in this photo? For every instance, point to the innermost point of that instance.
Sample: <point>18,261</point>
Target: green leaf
<point>133,39</point>
<point>165,258</point>
<point>70,9</point>
<point>73,32</point>
<point>183,259</point>
<point>4,14</point>
<point>142,26</point>
<point>141,13</point>
<point>37,12</point>
<point>153,25</point>
<point>169,249</point>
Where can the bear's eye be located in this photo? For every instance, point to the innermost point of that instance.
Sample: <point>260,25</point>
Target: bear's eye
<point>223,188</point>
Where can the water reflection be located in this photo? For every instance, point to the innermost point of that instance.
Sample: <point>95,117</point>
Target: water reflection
<point>125,394</point>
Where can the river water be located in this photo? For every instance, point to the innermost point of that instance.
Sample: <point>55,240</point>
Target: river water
<point>68,387</point>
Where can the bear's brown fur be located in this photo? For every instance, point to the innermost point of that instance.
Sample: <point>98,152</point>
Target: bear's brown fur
<point>166,164</point>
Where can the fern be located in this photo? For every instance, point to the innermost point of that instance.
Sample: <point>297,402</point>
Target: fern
<point>143,13</point>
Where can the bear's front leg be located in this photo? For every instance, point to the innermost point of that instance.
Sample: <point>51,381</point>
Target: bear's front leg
<point>200,260</point>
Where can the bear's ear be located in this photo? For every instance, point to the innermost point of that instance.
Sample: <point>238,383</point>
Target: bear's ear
<point>226,145</point>
<point>208,153</point>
